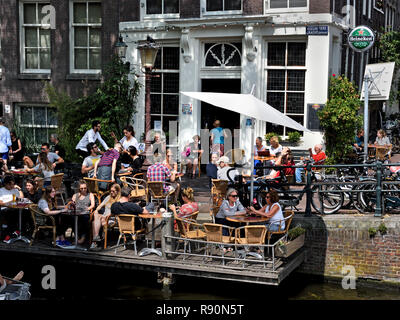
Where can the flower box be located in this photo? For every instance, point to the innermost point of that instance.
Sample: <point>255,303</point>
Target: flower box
<point>290,247</point>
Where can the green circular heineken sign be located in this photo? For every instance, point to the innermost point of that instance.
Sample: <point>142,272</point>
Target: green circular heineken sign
<point>361,38</point>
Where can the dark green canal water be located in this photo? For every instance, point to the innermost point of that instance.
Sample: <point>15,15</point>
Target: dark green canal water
<point>81,281</point>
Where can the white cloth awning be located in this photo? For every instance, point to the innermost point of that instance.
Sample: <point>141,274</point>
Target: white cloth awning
<point>247,105</point>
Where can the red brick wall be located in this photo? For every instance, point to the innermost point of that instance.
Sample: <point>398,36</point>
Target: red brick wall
<point>253,7</point>
<point>331,244</point>
<point>320,6</point>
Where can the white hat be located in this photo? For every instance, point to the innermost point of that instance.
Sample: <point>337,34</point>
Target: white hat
<point>223,159</point>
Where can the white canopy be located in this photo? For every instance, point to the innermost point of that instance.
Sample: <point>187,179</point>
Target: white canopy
<point>248,105</point>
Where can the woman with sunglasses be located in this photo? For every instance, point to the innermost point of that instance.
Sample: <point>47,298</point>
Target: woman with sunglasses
<point>84,202</point>
<point>229,207</point>
<point>271,210</point>
<point>103,211</point>
<point>45,167</point>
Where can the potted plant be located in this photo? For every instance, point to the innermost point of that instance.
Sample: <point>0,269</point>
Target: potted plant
<point>269,135</point>
<point>295,241</point>
<point>294,137</point>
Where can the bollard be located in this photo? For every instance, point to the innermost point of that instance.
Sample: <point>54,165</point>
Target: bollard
<point>308,191</point>
<point>378,208</point>
<point>167,244</point>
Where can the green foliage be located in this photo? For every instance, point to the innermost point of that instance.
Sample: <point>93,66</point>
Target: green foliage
<point>382,228</point>
<point>339,119</point>
<point>372,232</point>
<point>294,136</point>
<point>113,103</point>
<point>26,137</point>
<point>269,135</point>
<point>295,232</point>
<point>389,44</point>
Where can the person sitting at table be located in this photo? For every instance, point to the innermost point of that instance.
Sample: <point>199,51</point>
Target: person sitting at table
<point>102,212</point>
<point>158,146</point>
<point>318,158</point>
<point>258,147</point>
<point>32,193</point>
<point>8,217</point>
<point>382,139</point>
<point>192,159</point>
<point>54,158</point>
<point>45,167</point>
<point>271,210</point>
<point>160,172</point>
<point>212,169</point>
<point>90,161</point>
<point>48,205</point>
<point>84,203</point>
<point>134,161</point>
<point>16,152</point>
<point>124,206</point>
<point>189,206</point>
<point>359,141</point>
<point>279,161</point>
<point>222,173</point>
<point>127,141</point>
<point>229,207</point>
<point>275,148</point>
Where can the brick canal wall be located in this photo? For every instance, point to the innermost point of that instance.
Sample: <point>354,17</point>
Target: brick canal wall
<point>338,240</point>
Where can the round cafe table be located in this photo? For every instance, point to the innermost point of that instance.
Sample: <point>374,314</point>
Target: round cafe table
<point>20,206</point>
<point>153,216</point>
<point>75,214</point>
<point>247,219</point>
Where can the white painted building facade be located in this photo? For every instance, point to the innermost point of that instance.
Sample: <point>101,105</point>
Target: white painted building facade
<point>256,34</point>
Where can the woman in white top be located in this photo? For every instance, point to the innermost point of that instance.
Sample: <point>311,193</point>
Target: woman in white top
<point>275,148</point>
<point>45,167</point>
<point>382,139</point>
<point>127,141</point>
<point>273,211</point>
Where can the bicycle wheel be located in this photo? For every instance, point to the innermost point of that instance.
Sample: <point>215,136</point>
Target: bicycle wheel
<point>331,201</point>
<point>356,200</point>
<point>367,199</point>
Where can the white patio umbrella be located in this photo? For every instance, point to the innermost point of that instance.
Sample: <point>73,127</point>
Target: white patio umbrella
<point>250,106</point>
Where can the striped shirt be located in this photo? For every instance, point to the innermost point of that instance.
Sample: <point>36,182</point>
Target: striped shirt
<point>108,157</point>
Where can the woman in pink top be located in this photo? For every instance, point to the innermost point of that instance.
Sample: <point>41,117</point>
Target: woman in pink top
<point>189,206</point>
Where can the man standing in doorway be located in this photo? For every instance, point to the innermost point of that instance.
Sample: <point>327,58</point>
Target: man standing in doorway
<point>218,136</point>
<point>5,141</point>
<point>91,135</point>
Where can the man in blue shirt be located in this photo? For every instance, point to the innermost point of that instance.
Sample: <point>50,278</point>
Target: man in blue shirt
<point>212,168</point>
<point>358,145</point>
<point>5,141</point>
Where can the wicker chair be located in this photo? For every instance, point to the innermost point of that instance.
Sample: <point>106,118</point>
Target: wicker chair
<point>189,229</point>
<point>156,191</point>
<point>56,183</point>
<point>288,217</point>
<point>235,155</point>
<point>93,187</point>
<point>42,221</point>
<point>218,194</point>
<point>253,235</point>
<point>214,234</point>
<point>191,217</point>
<point>138,187</point>
<point>126,224</point>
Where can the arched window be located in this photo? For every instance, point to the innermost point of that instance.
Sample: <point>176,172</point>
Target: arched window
<point>223,55</point>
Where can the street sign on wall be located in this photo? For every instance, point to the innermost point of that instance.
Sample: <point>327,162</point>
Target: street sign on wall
<point>317,30</point>
<point>361,38</point>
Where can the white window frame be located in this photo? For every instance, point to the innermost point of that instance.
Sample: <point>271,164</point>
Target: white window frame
<point>364,7</point>
<point>203,5</point>
<point>216,68</point>
<point>143,12</point>
<point>369,9</point>
<point>163,115</point>
<point>285,68</point>
<point>22,37</point>
<point>72,38</point>
<point>33,126</point>
<point>267,8</point>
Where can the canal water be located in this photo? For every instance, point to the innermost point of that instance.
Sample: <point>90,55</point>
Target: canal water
<point>81,281</point>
